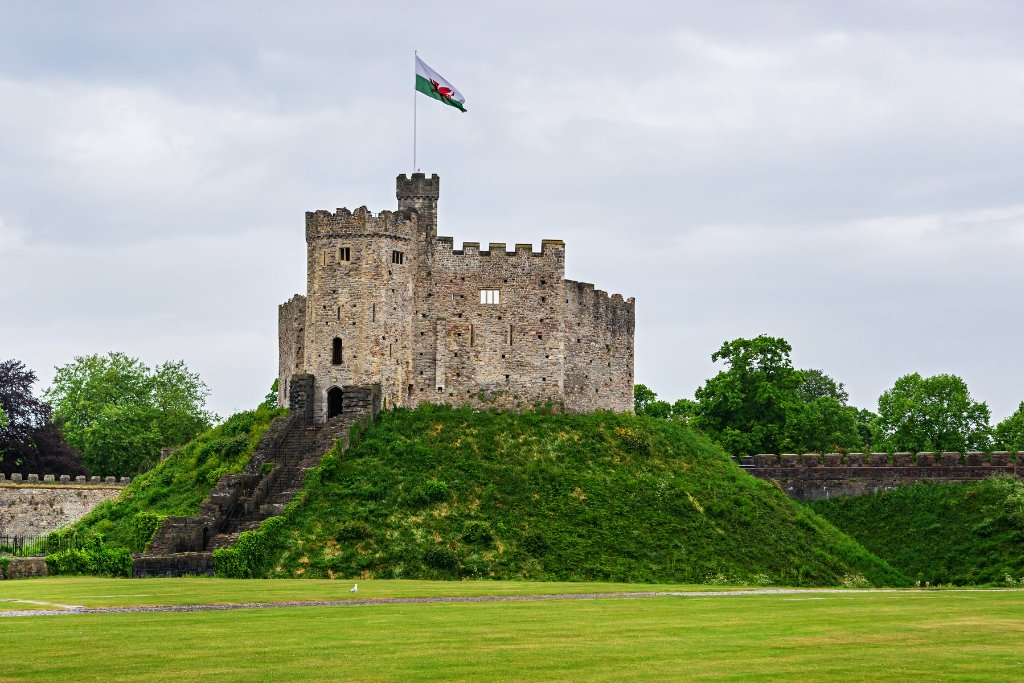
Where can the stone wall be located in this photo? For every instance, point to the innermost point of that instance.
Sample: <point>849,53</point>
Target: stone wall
<point>813,476</point>
<point>404,308</point>
<point>30,507</point>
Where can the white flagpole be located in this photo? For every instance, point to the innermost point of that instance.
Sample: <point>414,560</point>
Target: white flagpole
<point>414,98</point>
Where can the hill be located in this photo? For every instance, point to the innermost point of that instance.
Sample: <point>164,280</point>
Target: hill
<point>451,493</point>
<point>963,534</point>
<point>176,485</point>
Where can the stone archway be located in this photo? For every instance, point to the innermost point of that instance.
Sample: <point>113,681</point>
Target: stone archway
<point>334,402</point>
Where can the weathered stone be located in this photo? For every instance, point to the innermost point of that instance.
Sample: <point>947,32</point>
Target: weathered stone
<point>390,303</point>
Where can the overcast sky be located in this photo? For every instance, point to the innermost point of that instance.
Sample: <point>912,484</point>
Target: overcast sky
<point>848,176</point>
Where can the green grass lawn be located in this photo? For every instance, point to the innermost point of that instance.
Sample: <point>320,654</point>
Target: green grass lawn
<point>923,635</point>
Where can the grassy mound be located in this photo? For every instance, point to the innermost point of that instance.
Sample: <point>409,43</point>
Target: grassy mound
<point>959,534</point>
<point>178,484</point>
<point>447,493</point>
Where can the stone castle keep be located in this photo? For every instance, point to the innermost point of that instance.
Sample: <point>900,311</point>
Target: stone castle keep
<point>390,304</point>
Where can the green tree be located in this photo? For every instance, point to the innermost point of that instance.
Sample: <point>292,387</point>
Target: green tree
<point>645,402</point>
<point>823,425</point>
<point>120,413</point>
<point>3,419</point>
<point>270,400</point>
<point>746,407</point>
<point>932,414</point>
<point>1009,434</point>
<point>817,384</point>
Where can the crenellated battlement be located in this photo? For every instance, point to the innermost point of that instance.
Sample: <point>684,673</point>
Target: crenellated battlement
<point>811,476</point>
<point>362,221</point>
<point>63,479</point>
<point>599,303</point>
<point>548,248</point>
<point>419,185</point>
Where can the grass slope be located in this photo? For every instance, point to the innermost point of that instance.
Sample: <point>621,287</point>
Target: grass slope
<point>963,534</point>
<point>443,493</point>
<point>178,484</point>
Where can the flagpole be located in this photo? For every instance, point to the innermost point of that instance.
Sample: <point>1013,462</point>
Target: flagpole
<point>414,112</point>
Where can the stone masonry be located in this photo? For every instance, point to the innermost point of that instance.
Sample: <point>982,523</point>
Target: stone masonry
<point>390,303</point>
<point>32,506</point>
<point>813,476</point>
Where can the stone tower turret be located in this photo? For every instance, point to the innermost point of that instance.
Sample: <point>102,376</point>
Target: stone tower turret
<point>420,193</point>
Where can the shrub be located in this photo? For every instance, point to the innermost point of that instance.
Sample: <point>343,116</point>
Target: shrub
<point>354,531</point>
<point>477,531</point>
<point>430,491</point>
<point>144,526</point>
<point>94,559</point>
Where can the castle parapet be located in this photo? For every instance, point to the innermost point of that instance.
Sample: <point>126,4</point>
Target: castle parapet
<point>61,480</point>
<point>419,185</point>
<point>362,221</point>
<point>548,248</point>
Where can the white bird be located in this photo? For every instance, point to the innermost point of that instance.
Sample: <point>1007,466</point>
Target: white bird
<point>354,589</point>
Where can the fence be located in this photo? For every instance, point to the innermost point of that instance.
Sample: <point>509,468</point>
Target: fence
<point>38,546</point>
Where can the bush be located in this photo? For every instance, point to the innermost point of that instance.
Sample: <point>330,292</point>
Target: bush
<point>354,531</point>
<point>430,491</point>
<point>477,531</point>
<point>94,560</point>
<point>145,525</point>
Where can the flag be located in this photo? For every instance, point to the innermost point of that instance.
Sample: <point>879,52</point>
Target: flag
<point>432,84</point>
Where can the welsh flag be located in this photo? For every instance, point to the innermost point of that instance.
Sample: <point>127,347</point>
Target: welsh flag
<point>432,84</point>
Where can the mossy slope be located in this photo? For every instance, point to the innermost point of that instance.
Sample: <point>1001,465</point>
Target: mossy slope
<point>178,484</point>
<point>447,493</point>
<point>971,533</point>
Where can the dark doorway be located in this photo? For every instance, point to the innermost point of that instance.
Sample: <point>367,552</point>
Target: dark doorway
<point>206,537</point>
<point>336,357</point>
<point>333,402</point>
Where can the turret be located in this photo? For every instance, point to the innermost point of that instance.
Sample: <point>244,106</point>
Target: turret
<point>420,193</point>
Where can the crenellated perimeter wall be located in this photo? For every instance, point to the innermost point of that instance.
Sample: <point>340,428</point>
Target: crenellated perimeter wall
<point>813,476</point>
<point>30,506</point>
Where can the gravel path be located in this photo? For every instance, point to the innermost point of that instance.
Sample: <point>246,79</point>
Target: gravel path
<point>360,602</point>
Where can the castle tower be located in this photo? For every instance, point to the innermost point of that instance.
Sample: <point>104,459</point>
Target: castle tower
<point>420,193</point>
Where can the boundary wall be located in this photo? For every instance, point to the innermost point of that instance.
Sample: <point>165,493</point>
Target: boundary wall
<point>32,507</point>
<point>813,476</point>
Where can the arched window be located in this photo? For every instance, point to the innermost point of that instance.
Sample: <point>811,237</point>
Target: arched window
<point>336,351</point>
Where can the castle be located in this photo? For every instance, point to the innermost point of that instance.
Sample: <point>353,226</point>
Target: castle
<point>390,307</point>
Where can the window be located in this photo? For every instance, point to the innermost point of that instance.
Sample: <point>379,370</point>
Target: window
<point>490,296</point>
<point>336,352</point>
<point>398,257</point>
<point>344,253</point>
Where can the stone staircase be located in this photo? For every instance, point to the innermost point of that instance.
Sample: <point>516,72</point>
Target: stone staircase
<point>240,502</point>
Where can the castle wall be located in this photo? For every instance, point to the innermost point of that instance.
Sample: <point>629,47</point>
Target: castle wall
<point>291,340</point>
<point>507,354</point>
<point>33,507</point>
<point>812,476</point>
<point>599,349</point>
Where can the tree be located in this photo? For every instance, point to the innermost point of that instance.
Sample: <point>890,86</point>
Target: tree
<point>932,414</point>
<point>817,384</point>
<point>1009,434</point>
<point>120,413</point>
<point>270,400</point>
<point>645,402</point>
<point>29,442</point>
<point>746,407</point>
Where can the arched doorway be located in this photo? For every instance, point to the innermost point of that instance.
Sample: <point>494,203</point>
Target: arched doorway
<point>333,402</point>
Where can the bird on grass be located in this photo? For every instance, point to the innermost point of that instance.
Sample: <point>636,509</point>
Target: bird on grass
<point>354,589</point>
